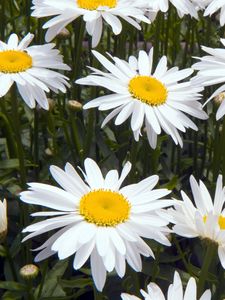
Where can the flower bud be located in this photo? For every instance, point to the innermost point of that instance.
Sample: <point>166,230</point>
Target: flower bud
<point>29,271</point>
<point>74,105</point>
<point>219,99</point>
<point>63,34</point>
<point>3,220</point>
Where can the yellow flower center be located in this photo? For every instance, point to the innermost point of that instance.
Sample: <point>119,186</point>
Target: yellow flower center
<point>148,90</point>
<point>221,221</point>
<point>104,208</point>
<point>14,61</point>
<point>94,4</point>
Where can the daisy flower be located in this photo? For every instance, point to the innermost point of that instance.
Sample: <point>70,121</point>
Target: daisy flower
<point>184,7</point>
<point>214,6</point>
<point>3,220</point>
<point>93,13</point>
<point>175,291</point>
<point>154,98</point>
<point>201,4</point>
<point>29,67</point>
<point>206,219</point>
<point>211,71</point>
<point>99,219</point>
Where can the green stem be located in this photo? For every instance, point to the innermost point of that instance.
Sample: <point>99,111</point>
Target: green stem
<point>90,132</point>
<point>157,39</point>
<point>36,143</point>
<point>42,279</point>
<point>155,268</point>
<point>79,36</point>
<point>98,295</point>
<point>210,252</point>
<point>30,295</point>
<point>17,132</point>
<point>133,158</point>
<point>74,133</point>
<point>3,25</point>
<point>182,255</point>
<point>11,262</point>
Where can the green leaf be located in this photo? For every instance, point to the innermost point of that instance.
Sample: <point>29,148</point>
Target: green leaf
<point>12,286</point>
<point>9,295</point>
<point>51,285</point>
<point>76,283</point>
<point>3,252</point>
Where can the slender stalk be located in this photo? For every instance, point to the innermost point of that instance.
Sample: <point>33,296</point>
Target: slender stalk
<point>36,143</point>
<point>11,262</point>
<point>157,39</point>
<point>210,252</point>
<point>3,25</point>
<point>180,252</point>
<point>30,295</point>
<point>98,295</point>
<point>155,268</point>
<point>43,279</point>
<point>90,132</point>
<point>17,132</point>
<point>79,43</point>
<point>133,159</point>
<point>74,134</point>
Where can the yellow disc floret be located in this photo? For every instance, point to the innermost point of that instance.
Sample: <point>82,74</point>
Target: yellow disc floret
<point>221,221</point>
<point>94,4</point>
<point>14,61</point>
<point>104,207</point>
<point>148,90</point>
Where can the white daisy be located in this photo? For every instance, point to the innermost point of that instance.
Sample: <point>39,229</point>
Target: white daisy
<point>29,68</point>
<point>201,4</point>
<point>175,291</point>
<point>93,13</point>
<point>151,97</point>
<point>184,7</point>
<point>3,220</point>
<point>99,219</point>
<point>212,71</point>
<point>206,219</point>
<point>214,6</point>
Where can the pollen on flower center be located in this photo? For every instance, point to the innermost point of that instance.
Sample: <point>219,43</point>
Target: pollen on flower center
<point>221,221</point>
<point>148,90</point>
<point>14,61</point>
<point>104,207</point>
<point>94,4</point>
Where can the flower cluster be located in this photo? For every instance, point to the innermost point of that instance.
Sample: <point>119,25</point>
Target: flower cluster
<point>94,217</point>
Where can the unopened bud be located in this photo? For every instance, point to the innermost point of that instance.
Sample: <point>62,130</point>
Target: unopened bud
<point>3,220</point>
<point>63,34</point>
<point>219,99</point>
<point>29,271</point>
<point>74,105</point>
<point>48,152</point>
<point>51,104</point>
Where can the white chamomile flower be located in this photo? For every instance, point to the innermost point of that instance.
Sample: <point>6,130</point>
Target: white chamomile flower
<point>206,219</point>
<point>94,12</point>
<point>99,219</point>
<point>154,98</point>
<point>3,220</point>
<point>211,70</point>
<point>29,67</point>
<point>214,6</point>
<point>201,4</point>
<point>175,291</point>
<point>184,7</point>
